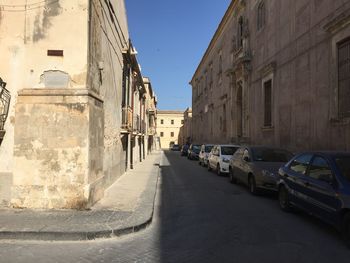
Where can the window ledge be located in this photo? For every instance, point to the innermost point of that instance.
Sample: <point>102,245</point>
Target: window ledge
<point>267,128</point>
<point>340,121</point>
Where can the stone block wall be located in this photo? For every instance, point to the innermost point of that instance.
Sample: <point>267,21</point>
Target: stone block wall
<point>58,151</point>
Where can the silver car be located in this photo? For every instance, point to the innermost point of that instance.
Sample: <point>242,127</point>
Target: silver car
<point>257,166</point>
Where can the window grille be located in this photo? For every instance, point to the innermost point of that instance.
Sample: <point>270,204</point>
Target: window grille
<point>268,103</point>
<point>5,98</point>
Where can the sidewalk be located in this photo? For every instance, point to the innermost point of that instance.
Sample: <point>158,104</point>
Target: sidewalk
<point>127,207</point>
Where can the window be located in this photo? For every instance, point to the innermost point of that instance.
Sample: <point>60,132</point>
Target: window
<point>172,121</point>
<point>228,150</point>
<point>261,16</point>
<point>172,134</point>
<point>161,134</point>
<point>182,121</point>
<point>268,103</point>
<point>344,78</point>
<point>240,33</point>
<point>246,154</point>
<point>161,121</point>
<point>343,164</point>
<point>301,163</point>
<point>320,170</point>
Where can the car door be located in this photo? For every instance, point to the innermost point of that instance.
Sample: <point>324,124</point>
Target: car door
<point>236,158</point>
<point>211,157</point>
<point>238,164</point>
<point>245,165</point>
<point>217,156</point>
<point>296,179</point>
<point>322,189</point>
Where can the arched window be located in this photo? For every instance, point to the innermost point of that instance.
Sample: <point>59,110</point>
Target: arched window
<point>261,15</point>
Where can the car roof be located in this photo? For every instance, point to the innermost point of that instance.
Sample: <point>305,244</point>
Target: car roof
<point>264,147</point>
<point>228,145</point>
<point>327,153</point>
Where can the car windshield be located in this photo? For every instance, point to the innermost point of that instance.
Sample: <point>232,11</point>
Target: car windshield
<point>208,149</point>
<point>196,148</point>
<point>343,163</point>
<point>228,150</point>
<point>271,155</point>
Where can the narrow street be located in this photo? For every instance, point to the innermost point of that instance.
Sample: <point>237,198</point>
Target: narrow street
<point>200,217</point>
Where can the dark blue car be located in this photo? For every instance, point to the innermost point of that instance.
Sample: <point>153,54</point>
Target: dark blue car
<point>318,183</point>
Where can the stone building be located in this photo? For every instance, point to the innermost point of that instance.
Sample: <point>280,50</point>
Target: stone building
<point>276,73</point>
<point>168,127</point>
<point>66,65</point>
<point>185,134</point>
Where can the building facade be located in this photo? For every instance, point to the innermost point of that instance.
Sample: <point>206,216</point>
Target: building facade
<point>185,134</point>
<point>68,66</point>
<point>276,73</point>
<point>168,127</point>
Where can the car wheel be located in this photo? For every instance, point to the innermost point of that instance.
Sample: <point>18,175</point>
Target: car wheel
<point>283,199</point>
<point>218,172</point>
<point>345,230</point>
<point>252,185</point>
<point>232,178</point>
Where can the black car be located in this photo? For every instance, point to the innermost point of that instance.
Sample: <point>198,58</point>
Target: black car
<point>193,151</point>
<point>184,150</point>
<point>175,147</point>
<point>318,183</point>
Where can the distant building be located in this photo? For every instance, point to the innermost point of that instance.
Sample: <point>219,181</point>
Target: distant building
<point>168,127</point>
<point>185,134</point>
<point>277,73</point>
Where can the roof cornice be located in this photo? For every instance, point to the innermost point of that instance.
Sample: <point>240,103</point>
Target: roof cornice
<point>217,34</point>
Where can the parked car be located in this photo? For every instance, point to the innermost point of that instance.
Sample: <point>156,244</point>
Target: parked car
<point>204,154</point>
<point>175,147</point>
<point>257,166</point>
<point>184,150</point>
<point>193,151</point>
<point>219,158</point>
<point>318,183</point>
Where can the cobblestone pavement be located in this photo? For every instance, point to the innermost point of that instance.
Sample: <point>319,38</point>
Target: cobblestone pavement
<point>200,217</point>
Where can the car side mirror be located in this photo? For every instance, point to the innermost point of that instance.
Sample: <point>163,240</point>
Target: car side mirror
<point>247,159</point>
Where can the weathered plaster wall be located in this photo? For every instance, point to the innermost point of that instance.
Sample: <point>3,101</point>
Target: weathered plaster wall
<point>108,38</point>
<point>25,37</point>
<point>58,138</point>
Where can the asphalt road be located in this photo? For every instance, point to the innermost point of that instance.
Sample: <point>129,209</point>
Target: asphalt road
<point>201,217</point>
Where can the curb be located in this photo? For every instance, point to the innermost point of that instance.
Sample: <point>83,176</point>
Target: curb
<point>110,231</point>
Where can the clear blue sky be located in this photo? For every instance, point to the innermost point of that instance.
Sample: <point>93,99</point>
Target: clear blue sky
<point>171,37</point>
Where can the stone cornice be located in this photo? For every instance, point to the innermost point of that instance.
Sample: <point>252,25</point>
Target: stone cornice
<point>219,30</point>
<point>338,22</point>
<point>59,92</point>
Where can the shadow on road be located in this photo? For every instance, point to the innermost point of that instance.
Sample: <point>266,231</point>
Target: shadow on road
<point>204,218</point>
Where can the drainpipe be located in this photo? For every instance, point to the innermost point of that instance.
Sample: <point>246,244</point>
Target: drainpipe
<point>132,124</point>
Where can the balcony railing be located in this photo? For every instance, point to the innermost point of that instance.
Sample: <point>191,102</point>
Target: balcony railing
<point>127,118</point>
<point>143,127</point>
<point>4,103</point>
<point>5,98</point>
<point>137,127</point>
